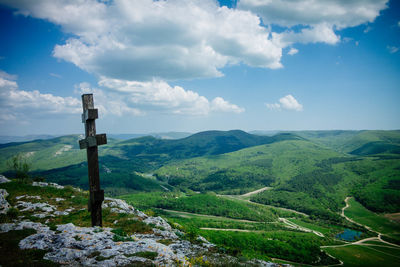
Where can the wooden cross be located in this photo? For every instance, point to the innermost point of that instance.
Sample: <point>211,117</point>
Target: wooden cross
<point>90,143</point>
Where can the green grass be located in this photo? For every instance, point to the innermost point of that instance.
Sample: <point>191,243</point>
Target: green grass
<point>247,169</point>
<point>220,223</point>
<point>145,254</point>
<point>12,255</point>
<point>208,204</point>
<point>395,251</point>
<point>363,256</point>
<point>292,246</point>
<point>72,198</point>
<point>326,229</point>
<point>377,222</point>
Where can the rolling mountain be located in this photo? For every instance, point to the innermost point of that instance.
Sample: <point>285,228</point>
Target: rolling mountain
<point>306,172</point>
<point>356,142</point>
<point>123,163</point>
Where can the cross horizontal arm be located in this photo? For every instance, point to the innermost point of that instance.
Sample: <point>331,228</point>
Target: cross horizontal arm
<point>91,141</point>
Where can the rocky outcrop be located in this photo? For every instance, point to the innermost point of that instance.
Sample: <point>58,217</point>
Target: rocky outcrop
<point>43,184</point>
<point>120,206</point>
<point>71,245</point>
<point>3,179</point>
<point>94,246</point>
<point>4,205</point>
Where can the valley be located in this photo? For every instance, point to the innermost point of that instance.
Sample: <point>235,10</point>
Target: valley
<point>282,198</point>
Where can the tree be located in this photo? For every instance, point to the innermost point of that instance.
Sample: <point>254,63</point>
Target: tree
<point>20,166</point>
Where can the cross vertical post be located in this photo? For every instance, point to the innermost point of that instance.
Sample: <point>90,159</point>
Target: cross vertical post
<point>90,143</point>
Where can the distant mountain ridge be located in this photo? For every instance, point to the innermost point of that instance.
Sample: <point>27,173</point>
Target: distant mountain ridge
<point>4,139</point>
<point>231,162</point>
<point>10,138</point>
<point>200,144</point>
<point>122,163</point>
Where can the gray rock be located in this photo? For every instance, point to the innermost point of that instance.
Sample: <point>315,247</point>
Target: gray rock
<point>3,179</point>
<point>42,215</point>
<point>29,197</point>
<point>75,246</point>
<point>4,205</point>
<point>61,213</point>
<point>28,206</point>
<point>5,227</point>
<point>94,246</point>
<point>159,222</point>
<point>120,206</point>
<point>43,184</point>
<point>165,234</point>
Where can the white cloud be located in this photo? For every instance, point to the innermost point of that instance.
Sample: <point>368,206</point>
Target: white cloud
<point>287,102</point>
<point>321,33</point>
<point>108,102</point>
<point>145,39</point>
<point>340,13</point>
<point>398,23</point>
<point>293,51</point>
<point>219,104</point>
<point>392,49</point>
<point>160,96</point>
<point>7,76</point>
<point>319,19</point>
<point>185,39</point>
<point>16,103</point>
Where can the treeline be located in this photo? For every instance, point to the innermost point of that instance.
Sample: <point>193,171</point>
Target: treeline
<point>296,247</point>
<point>208,204</point>
<point>297,201</point>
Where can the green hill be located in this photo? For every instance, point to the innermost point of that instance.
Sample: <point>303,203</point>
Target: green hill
<point>200,144</point>
<point>255,167</point>
<point>307,173</point>
<point>125,165</point>
<point>305,176</point>
<point>356,142</point>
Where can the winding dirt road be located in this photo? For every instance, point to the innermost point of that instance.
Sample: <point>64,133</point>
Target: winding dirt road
<point>362,241</point>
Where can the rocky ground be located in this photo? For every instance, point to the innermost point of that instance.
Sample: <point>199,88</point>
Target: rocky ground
<point>129,237</point>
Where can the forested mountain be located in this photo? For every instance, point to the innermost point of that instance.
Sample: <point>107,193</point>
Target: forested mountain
<point>310,171</point>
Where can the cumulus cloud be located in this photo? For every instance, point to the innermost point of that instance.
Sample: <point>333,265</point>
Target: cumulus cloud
<point>160,96</point>
<point>183,39</point>
<point>287,102</point>
<point>122,98</point>
<point>219,104</point>
<point>145,39</point>
<point>319,19</point>
<point>321,33</point>
<point>135,47</point>
<point>16,103</point>
<point>7,76</point>
<point>293,51</point>
<point>108,103</point>
<point>340,13</point>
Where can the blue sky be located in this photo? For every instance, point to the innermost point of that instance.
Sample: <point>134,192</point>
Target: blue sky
<point>198,65</point>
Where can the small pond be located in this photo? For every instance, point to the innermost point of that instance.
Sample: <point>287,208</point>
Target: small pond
<point>349,235</point>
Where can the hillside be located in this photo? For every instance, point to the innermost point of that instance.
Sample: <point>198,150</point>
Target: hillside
<point>48,225</point>
<point>200,184</point>
<point>125,165</point>
<point>303,176</point>
<point>306,168</point>
<point>356,142</point>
